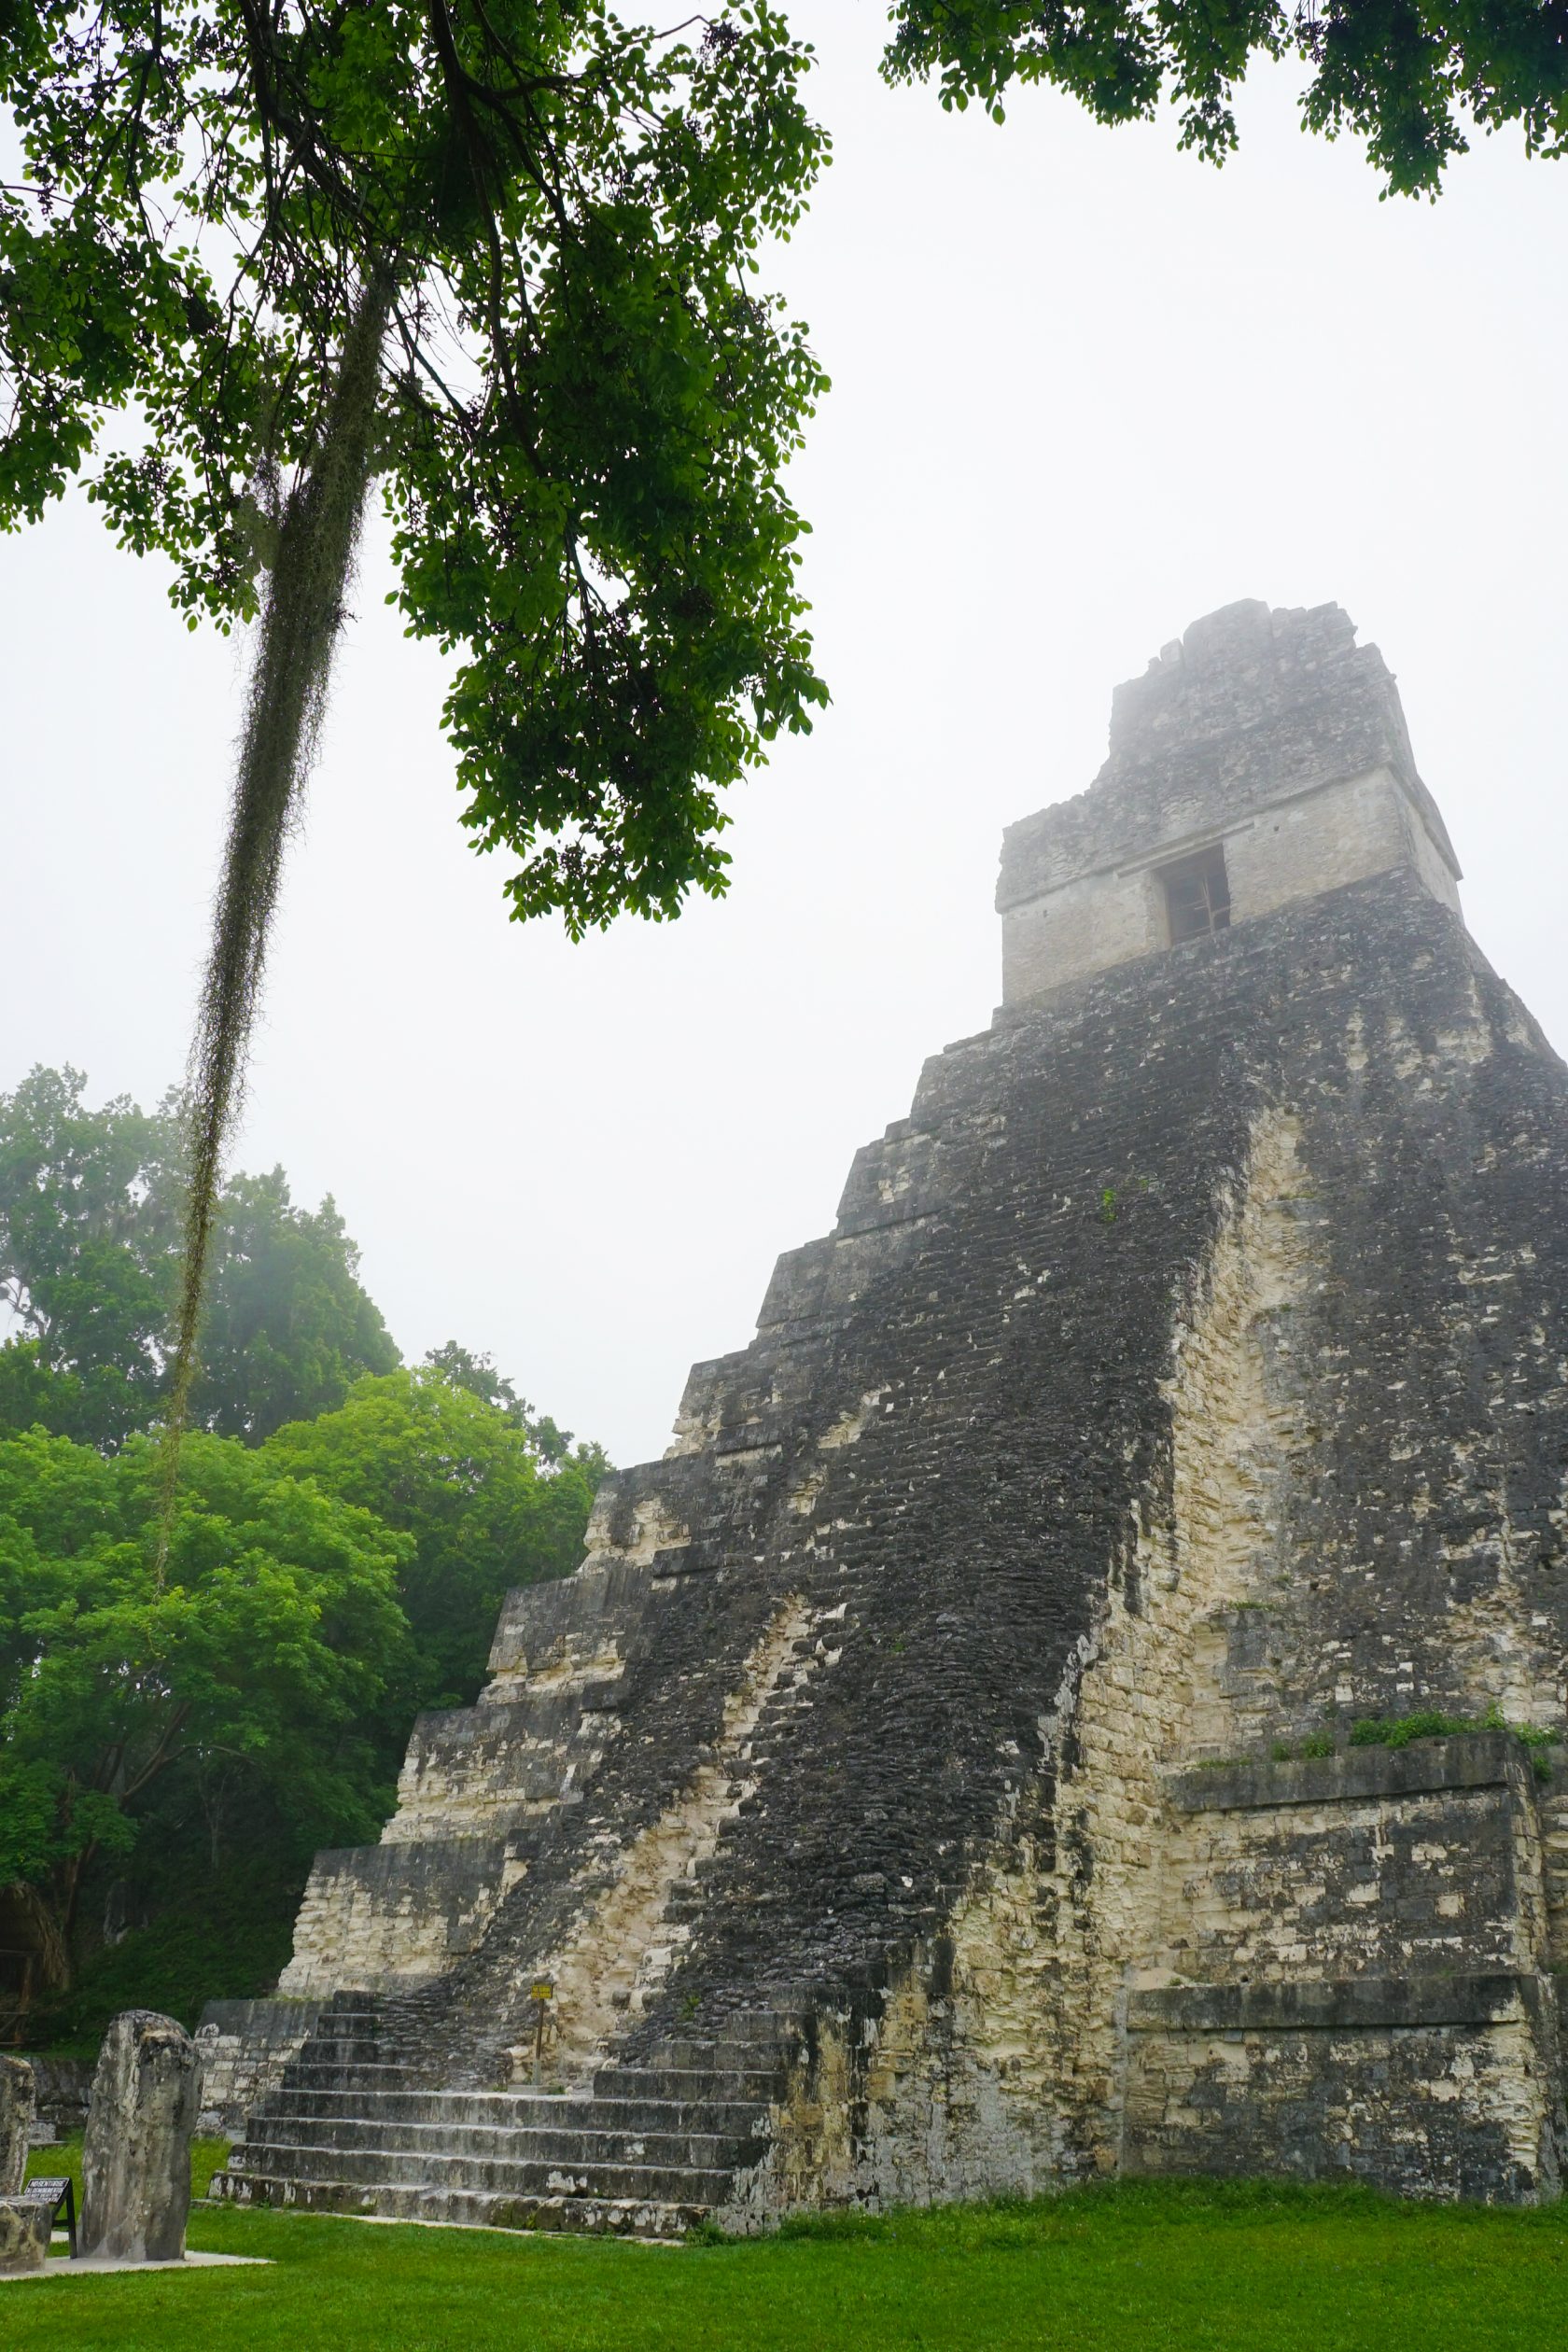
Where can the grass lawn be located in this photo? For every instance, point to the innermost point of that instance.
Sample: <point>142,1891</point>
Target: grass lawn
<point>1140,2267</point>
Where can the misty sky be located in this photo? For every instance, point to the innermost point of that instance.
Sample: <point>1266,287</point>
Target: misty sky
<point>1086,388</point>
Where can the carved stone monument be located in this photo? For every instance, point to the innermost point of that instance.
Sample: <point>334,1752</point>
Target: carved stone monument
<point>137,2156</point>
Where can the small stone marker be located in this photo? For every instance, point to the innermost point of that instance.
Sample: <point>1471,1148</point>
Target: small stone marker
<point>136,2155</point>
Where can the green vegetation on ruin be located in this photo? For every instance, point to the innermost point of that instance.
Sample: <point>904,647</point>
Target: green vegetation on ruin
<point>1427,1723</point>
<point>1167,2266</point>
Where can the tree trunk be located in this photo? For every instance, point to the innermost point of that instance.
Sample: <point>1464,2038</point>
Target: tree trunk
<point>317,538</point>
<point>39,1921</point>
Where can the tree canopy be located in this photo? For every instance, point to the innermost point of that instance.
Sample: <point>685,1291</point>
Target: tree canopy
<point>178,1733</point>
<point>91,1217</point>
<point>179,1737</point>
<point>466,1479</point>
<point>268,1643</point>
<point>1406,78</point>
<point>581,403</point>
<point>500,256</point>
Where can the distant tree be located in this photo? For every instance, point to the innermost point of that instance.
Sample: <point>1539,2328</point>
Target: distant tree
<point>289,1327</point>
<point>89,1234</point>
<point>266,1645</point>
<point>91,1209</point>
<point>1405,78</point>
<point>500,256</point>
<point>465,1369</point>
<point>487,1506</point>
<point>478,1376</point>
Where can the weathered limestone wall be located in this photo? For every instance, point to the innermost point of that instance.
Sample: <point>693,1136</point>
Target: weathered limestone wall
<point>378,1917</point>
<point>1272,734</point>
<point>1354,1968</point>
<point>64,2087</point>
<point>1316,840</point>
<point>244,2047</point>
<point>1355,1946</point>
<point>1371,1863</point>
<point>1450,2108</point>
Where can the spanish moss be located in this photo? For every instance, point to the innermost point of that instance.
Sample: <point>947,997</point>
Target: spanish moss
<point>317,535</point>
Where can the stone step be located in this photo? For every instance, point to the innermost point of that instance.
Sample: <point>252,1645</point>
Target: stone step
<point>707,2152</point>
<point>325,2074</point>
<point>752,2025</point>
<point>521,2110</point>
<point>646,2149</point>
<point>348,2051</point>
<point>518,2177</point>
<point>686,2085</point>
<point>471,2209</point>
<point>717,2057</point>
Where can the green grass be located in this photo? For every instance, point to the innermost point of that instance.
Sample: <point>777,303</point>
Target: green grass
<point>208,2156</point>
<point>1138,2267</point>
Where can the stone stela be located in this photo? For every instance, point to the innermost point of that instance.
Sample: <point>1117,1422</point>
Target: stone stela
<point>941,1777</point>
<point>136,2148</point>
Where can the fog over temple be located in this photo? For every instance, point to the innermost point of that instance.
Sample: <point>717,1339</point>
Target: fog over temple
<point>942,1776</point>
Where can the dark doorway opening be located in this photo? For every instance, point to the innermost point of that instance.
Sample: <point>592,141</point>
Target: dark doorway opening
<point>1196,895</point>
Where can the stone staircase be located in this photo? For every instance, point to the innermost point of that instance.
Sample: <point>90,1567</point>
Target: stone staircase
<point>642,2149</point>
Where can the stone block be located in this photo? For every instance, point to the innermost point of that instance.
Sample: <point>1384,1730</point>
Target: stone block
<point>18,2105</point>
<point>24,2235</point>
<point>137,2156</point>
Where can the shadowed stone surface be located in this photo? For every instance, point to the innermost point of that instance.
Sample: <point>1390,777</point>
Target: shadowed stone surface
<point>136,2155</point>
<point>64,2086</point>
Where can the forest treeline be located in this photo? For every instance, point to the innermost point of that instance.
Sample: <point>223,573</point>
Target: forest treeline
<point>177,1740</point>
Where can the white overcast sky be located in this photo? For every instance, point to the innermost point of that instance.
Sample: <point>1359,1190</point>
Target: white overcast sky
<point>1085,389</point>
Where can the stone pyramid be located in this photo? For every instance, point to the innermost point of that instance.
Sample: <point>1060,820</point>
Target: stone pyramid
<point>1003,1741</point>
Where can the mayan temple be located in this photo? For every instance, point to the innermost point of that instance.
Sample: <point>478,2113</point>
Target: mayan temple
<point>943,1774</point>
